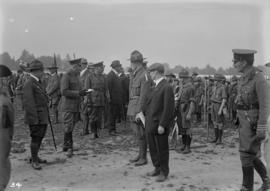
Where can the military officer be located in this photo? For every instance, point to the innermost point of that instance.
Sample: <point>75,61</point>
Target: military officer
<point>97,99</point>
<point>138,87</point>
<point>186,107</point>
<point>252,110</point>
<point>218,103</point>
<point>53,90</point>
<point>35,102</point>
<point>85,116</point>
<point>6,129</point>
<point>71,92</point>
<point>159,111</point>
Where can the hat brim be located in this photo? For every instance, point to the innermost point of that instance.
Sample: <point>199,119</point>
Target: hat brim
<point>140,60</point>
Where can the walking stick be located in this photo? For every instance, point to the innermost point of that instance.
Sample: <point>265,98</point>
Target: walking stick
<point>51,127</point>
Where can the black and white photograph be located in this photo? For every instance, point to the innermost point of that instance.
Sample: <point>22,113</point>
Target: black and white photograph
<point>135,95</point>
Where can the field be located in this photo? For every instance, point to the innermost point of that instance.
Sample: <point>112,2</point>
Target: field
<point>103,164</point>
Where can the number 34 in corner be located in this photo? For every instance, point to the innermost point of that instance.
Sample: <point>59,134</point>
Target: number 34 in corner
<point>15,185</point>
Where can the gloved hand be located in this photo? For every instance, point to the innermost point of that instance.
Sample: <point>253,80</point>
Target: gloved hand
<point>82,92</point>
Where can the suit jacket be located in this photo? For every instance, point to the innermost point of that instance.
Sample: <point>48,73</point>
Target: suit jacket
<point>35,102</point>
<point>115,88</point>
<point>125,87</point>
<point>70,86</point>
<point>159,108</point>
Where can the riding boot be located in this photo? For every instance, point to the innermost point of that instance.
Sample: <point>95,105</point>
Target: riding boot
<point>85,125</point>
<point>219,141</point>
<point>184,138</point>
<point>56,117</point>
<point>39,144</point>
<point>188,143</point>
<point>34,154</point>
<point>142,152</point>
<point>216,136</point>
<point>93,130</point>
<point>65,145</point>
<point>261,170</point>
<point>248,178</point>
<point>70,145</point>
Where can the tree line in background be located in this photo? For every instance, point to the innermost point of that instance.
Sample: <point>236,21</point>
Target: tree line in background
<point>62,63</point>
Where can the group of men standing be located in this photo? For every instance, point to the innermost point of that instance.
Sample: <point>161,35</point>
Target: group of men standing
<point>154,103</point>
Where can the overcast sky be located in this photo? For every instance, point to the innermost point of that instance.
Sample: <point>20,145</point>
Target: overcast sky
<point>177,32</point>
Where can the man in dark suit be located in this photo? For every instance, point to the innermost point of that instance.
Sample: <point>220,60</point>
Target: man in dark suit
<point>115,92</point>
<point>35,102</point>
<point>159,111</point>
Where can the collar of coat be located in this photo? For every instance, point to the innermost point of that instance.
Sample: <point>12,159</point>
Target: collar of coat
<point>141,68</point>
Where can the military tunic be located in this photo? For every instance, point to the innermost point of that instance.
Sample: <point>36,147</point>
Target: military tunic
<point>252,111</point>
<point>70,100</point>
<point>138,87</point>
<point>186,96</point>
<point>218,94</point>
<point>97,99</point>
<point>53,90</point>
<point>6,134</point>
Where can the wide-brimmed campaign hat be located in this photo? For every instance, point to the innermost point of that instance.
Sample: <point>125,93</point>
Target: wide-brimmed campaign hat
<point>136,57</point>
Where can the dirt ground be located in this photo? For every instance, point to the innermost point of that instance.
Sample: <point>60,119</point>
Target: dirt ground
<point>103,164</point>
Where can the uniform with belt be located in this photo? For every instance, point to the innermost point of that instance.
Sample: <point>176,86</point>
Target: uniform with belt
<point>252,111</point>
<point>83,77</point>
<point>138,88</point>
<point>6,130</point>
<point>53,90</point>
<point>97,99</point>
<point>198,96</point>
<point>35,102</point>
<point>71,92</point>
<point>218,100</point>
<point>186,107</point>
